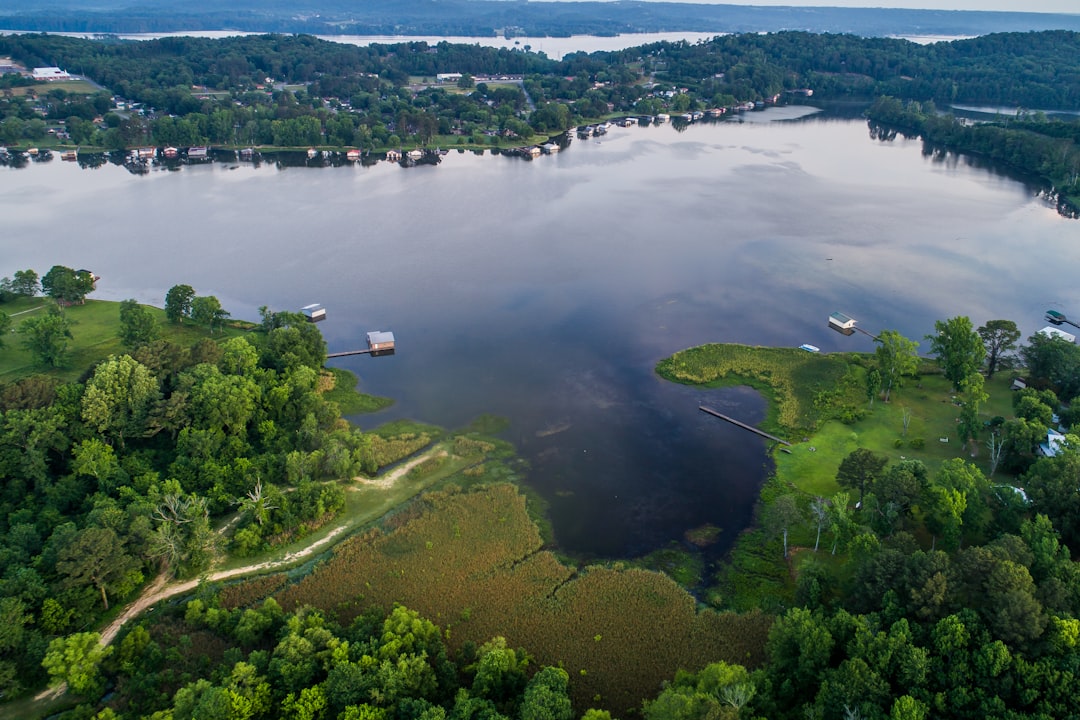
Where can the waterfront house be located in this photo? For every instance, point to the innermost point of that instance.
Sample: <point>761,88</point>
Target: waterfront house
<point>393,155</point>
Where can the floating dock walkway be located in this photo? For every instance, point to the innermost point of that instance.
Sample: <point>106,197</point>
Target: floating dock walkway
<point>743,425</point>
<point>346,353</point>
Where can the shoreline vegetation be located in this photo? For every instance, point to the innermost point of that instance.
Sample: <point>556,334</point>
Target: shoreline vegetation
<point>437,522</point>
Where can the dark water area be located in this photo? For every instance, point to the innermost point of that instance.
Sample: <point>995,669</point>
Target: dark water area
<point>545,291</point>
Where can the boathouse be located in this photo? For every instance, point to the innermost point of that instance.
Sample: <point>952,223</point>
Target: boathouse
<point>393,155</point>
<point>314,312</point>
<point>379,340</point>
<point>841,321</point>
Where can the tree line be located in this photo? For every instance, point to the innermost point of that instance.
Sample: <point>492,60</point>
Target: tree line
<point>298,90</point>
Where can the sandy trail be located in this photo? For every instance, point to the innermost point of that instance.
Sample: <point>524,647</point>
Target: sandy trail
<point>163,589</point>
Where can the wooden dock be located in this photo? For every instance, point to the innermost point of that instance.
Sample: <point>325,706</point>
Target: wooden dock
<point>743,425</point>
<point>350,352</point>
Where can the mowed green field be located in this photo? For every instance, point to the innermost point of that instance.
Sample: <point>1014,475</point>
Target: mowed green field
<point>94,328</point>
<point>812,464</point>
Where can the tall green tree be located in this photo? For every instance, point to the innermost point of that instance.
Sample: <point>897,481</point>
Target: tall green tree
<point>896,357</point>
<point>546,698</point>
<point>860,469</point>
<point>98,557</point>
<point>76,660</point>
<point>972,396</point>
<point>137,325</point>
<point>998,337</point>
<point>178,302</point>
<point>207,310</point>
<point>5,327</point>
<point>1055,360</point>
<point>67,286</point>
<point>25,282</point>
<point>46,337</point>
<point>119,397</point>
<point>958,348</point>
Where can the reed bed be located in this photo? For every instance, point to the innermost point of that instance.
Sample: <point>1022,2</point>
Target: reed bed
<point>472,562</point>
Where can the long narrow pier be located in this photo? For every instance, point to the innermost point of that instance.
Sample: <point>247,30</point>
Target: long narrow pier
<point>867,334</point>
<point>349,352</point>
<point>743,425</point>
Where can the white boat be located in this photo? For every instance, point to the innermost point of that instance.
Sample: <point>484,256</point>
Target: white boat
<point>809,348</point>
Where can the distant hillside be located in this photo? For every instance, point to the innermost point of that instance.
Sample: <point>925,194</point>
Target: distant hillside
<point>488,17</point>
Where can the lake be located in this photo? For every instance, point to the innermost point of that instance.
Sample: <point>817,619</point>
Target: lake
<point>546,291</point>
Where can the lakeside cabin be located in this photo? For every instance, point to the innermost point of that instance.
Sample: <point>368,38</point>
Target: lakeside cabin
<point>314,312</point>
<point>379,341</point>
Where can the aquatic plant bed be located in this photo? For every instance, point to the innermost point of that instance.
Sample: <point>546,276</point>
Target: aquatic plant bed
<point>473,562</point>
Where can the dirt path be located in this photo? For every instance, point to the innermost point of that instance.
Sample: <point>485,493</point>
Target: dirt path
<point>162,589</point>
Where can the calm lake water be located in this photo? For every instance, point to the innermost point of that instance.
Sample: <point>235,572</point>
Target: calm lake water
<point>546,291</point>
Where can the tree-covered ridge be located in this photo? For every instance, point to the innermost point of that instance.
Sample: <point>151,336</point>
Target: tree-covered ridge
<point>299,91</point>
<point>535,19</point>
<point>113,479</point>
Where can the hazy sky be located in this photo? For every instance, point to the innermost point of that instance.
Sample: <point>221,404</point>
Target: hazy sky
<point>1058,6</point>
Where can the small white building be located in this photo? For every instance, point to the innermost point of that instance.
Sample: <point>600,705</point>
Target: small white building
<point>1053,332</point>
<point>448,77</point>
<point>47,74</point>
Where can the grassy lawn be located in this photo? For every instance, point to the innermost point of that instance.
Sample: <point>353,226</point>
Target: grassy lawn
<point>94,328</point>
<point>811,467</point>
